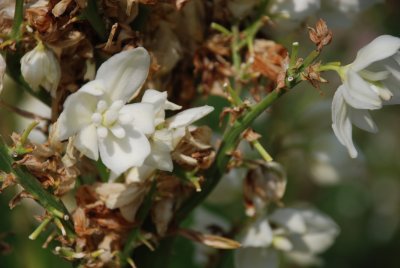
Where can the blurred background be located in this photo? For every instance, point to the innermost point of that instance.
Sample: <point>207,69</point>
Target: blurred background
<point>362,195</point>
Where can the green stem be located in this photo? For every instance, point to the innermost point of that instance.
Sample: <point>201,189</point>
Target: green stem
<point>91,13</point>
<point>18,18</point>
<point>311,58</point>
<point>229,143</point>
<point>40,228</point>
<point>257,145</point>
<point>220,28</point>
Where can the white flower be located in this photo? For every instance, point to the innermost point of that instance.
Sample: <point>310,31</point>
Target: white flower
<point>170,131</point>
<point>294,9</point>
<point>2,71</point>
<point>125,197</point>
<point>300,233</point>
<point>40,67</point>
<point>368,83</point>
<point>341,13</point>
<point>101,121</point>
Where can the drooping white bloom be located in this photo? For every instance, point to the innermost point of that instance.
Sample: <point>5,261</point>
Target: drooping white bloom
<point>169,131</point>
<point>294,9</point>
<point>2,71</point>
<point>368,83</point>
<point>40,67</point>
<point>101,121</point>
<point>300,233</point>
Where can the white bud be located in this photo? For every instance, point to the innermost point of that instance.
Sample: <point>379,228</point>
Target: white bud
<point>40,67</point>
<point>2,71</point>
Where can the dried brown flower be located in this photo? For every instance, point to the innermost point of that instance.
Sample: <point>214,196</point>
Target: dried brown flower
<point>320,35</point>
<point>194,150</point>
<point>263,184</point>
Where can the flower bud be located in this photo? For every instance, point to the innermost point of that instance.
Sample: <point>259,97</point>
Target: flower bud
<point>40,67</point>
<point>265,183</point>
<point>2,71</point>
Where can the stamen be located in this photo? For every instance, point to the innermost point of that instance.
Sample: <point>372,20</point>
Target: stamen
<point>102,132</point>
<point>118,131</point>
<point>101,106</point>
<point>96,119</point>
<point>117,105</point>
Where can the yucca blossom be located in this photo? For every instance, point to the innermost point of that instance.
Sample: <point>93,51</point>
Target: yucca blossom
<point>2,71</point>
<point>40,67</point>
<point>368,83</point>
<point>301,234</point>
<point>100,119</point>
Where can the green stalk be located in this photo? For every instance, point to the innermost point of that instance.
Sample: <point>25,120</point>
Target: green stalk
<point>18,18</point>
<point>91,13</point>
<point>229,143</point>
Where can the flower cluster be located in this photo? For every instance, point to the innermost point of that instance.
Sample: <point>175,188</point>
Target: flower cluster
<point>368,83</point>
<point>101,122</point>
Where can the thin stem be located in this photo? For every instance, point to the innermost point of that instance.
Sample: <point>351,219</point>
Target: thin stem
<point>18,18</point>
<point>220,28</point>
<point>33,187</point>
<point>229,143</point>
<point>91,13</point>
<point>22,112</point>
<point>311,58</point>
<point>293,55</point>
<point>261,150</point>
<point>40,228</point>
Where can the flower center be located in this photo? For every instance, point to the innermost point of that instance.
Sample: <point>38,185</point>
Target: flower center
<point>106,118</point>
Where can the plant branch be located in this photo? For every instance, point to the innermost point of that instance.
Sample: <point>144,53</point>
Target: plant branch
<point>33,186</point>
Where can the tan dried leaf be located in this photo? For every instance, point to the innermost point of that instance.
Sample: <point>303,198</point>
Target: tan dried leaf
<point>213,241</point>
<point>320,35</point>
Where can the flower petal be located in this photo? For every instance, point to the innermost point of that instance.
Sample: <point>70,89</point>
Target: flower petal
<point>256,258</point>
<point>138,115</point>
<point>2,71</point>
<point>77,114</point>
<point>380,48</point>
<point>95,88</point>
<point>86,142</point>
<point>289,218</point>
<point>362,119</point>
<point>188,116</point>
<point>258,235</point>
<point>341,123</point>
<point>124,73</point>
<point>120,154</point>
<point>359,94</point>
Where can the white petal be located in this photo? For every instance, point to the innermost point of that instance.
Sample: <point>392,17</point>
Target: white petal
<point>117,195</point>
<point>359,94</point>
<point>139,174</point>
<point>138,115</point>
<point>124,73</point>
<point>258,235</point>
<point>380,48</point>
<point>289,218</point>
<point>86,142</point>
<point>77,114</point>
<point>161,147</point>
<point>120,154</point>
<point>95,88</point>
<point>188,116</point>
<point>2,71</point>
<point>363,120</point>
<point>256,258</point>
<point>341,123</point>
<point>155,97</point>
